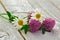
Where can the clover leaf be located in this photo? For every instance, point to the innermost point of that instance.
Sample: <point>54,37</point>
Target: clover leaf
<point>25,28</point>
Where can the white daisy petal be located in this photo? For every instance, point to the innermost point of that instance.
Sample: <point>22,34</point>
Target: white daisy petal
<point>21,17</point>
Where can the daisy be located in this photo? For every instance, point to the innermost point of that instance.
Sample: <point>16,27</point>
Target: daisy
<point>37,16</point>
<point>19,22</point>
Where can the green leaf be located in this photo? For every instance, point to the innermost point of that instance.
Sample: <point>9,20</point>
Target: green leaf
<point>15,16</point>
<point>43,29</point>
<point>48,30</point>
<point>9,14</point>
<point>25,28</point>
<point>11,17</point>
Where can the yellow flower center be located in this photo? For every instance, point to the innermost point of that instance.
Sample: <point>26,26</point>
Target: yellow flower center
<point>38,15</point>
<point>20,22</point>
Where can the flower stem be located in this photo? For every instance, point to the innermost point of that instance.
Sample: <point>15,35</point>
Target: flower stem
<point>21,34</point>
<point>3,5</point>
<point>4,17</point>
<point>3,14</point>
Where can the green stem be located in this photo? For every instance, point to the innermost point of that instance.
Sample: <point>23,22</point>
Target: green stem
<point>19,12</point>
<point>13,12</point>
<point>4,17</point>
<point>3,14</point>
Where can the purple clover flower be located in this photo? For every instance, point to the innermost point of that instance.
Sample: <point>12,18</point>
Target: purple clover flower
<point>34,25</point>
<point>48,24</point>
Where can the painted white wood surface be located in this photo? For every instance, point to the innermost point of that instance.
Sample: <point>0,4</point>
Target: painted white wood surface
<point>7,32</point>
<point>49,8</point>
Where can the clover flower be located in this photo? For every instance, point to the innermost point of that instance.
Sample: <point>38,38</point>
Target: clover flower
<point>34,25</point>
<point>48,24</point>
